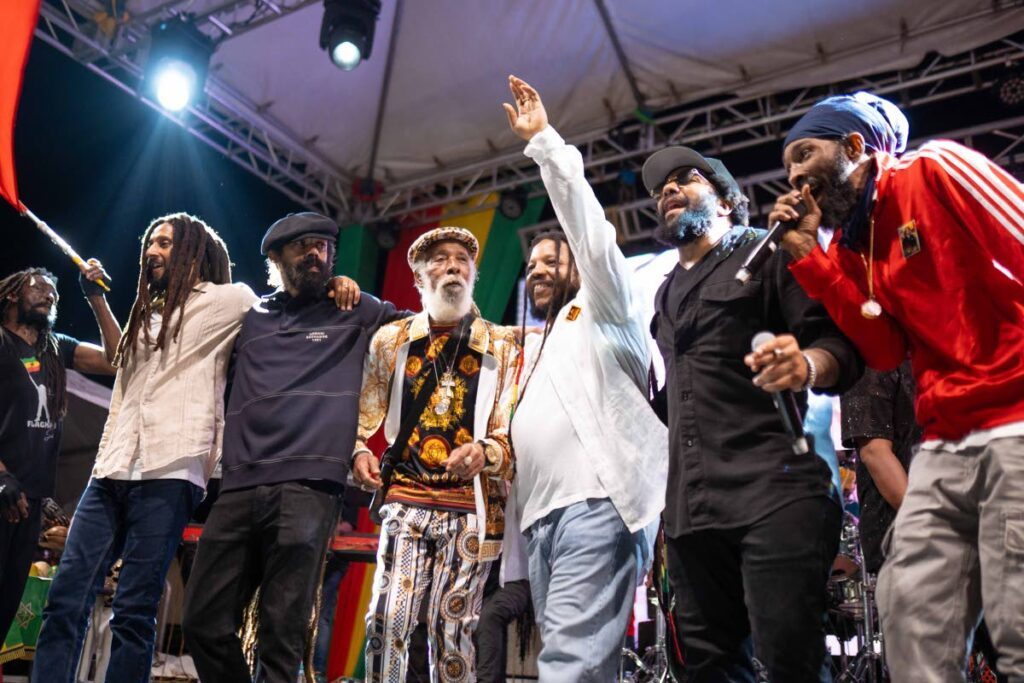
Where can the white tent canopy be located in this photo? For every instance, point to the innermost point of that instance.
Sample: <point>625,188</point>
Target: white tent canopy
<point>278,106</point>
<point>451,58</point>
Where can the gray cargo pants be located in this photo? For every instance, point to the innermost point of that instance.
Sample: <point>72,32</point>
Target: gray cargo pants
<point>957,547</point>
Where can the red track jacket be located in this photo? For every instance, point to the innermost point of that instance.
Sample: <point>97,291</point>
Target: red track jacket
<point>957,304</point>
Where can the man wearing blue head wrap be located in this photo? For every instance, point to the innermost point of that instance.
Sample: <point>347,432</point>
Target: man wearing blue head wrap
<point>928,260</point>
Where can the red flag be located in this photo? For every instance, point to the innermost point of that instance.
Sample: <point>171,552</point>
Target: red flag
<point>17,22</point>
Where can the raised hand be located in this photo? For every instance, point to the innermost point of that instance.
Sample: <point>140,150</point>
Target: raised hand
<point>92,273</point>
<point>804,237</point>
<point>528,117</point>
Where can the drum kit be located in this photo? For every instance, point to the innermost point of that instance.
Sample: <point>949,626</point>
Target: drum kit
<point>851,592</point>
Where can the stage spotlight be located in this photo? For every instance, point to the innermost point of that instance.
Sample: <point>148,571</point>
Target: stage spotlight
<point>347,31</point>
<point>179,56</point>
<point>1010,88</point>
<point>175,85</point>
<point>512,203</point>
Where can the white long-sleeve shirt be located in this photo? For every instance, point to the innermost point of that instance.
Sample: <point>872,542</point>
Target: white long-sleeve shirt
<point>592,384</point>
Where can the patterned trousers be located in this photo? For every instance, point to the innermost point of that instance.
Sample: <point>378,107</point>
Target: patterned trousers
<point>429,554</point>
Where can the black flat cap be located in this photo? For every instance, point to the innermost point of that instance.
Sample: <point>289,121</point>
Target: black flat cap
<point>298,225</point>
<point>664,161</point>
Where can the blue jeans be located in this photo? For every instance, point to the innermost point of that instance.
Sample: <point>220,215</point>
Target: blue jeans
<point>141,523</point>
<point>582,576</point>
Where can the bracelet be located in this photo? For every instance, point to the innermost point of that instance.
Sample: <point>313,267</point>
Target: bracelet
<point>361,450</point>
<point>812,372</point>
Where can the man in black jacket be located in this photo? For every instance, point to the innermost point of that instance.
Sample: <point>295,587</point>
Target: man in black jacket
<point>751,526</point>
<point>288,436</point>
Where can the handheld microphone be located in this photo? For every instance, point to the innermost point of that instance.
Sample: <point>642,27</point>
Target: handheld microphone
<point>785,404</point>
<point>767,246</point>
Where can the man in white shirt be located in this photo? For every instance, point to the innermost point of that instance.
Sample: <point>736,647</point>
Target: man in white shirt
<point>591,454</point>
<point>159,445</point>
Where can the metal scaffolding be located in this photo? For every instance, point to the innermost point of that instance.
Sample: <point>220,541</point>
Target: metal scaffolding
<point>245,133</point>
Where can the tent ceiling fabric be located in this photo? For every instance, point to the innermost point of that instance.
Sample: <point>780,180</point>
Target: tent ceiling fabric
<point>452,57</point>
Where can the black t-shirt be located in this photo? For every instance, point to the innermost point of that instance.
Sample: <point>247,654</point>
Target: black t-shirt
<point>29,430</point>
<point>880,406</point>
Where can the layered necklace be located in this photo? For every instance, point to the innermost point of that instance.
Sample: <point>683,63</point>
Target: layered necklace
<point>446,380</point>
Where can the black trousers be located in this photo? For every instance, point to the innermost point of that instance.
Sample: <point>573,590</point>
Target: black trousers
<point>757,590</point>
<point>267,537</point>
<point>503,606</point>
<point>18,544</point>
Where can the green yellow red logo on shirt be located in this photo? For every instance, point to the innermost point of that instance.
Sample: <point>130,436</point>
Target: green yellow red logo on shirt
<point>32,364</point>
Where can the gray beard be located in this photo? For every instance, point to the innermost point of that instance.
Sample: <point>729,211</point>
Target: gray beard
<point>693,222</point>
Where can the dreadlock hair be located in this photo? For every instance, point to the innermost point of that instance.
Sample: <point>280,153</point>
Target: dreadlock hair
<point>46,347</point>
<point>198,254</point>
<point>558,237</point>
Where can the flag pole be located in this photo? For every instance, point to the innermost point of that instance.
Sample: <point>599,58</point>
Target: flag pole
<point>59,241</point>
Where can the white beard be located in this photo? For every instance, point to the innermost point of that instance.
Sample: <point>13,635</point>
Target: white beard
<point>447,304</point>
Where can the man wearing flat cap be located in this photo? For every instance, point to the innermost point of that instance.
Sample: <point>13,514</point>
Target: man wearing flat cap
<point>296,372</point>
<point>440,382</point>
<point>928,261</point>
<point>751,518</point>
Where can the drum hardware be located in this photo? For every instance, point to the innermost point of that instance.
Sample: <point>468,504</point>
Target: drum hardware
<point>653,666</point>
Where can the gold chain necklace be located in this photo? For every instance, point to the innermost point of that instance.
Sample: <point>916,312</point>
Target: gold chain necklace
<point>446,382</point>
<point>870,309</point>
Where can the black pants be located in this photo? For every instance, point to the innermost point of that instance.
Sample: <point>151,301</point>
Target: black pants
<point>267,537</point>
<point>756,590</point>
<point>501,607</point>
<point>18,544</point>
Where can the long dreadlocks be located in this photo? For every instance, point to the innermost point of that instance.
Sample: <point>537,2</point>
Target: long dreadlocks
<point>46,347</point>
<point>198,254</point>
<point>561,283</point>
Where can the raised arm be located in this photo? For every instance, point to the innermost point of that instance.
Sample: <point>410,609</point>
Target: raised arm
<point>603,270</point>
<point>91,358</point>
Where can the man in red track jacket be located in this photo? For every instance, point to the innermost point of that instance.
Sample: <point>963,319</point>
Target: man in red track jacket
<point>928,259</point>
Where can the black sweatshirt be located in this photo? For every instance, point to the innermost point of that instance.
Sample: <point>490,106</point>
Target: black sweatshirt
<point>295,377</point>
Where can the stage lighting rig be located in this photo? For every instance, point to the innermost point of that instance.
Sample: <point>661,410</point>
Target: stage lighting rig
<point>347,31</point>
<point>179,56</point>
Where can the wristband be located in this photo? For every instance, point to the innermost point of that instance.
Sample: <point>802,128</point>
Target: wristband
<point>89,288</point>
<point>812,372</point>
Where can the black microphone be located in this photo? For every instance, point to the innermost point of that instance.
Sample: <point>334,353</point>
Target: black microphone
<point>785,403</point>
<point>767,246</point>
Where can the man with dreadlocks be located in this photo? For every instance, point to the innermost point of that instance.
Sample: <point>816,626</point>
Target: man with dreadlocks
<point>159,446</point>
<point>33,401</point>
<point>441,383</point>
<point>591,455</point>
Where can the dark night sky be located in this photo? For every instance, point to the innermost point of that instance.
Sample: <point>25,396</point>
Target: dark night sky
<point>98,166</point>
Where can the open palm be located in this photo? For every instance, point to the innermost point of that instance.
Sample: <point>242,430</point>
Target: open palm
<point>528,117</point>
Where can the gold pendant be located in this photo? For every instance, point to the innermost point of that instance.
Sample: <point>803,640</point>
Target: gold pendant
<point>871,309</point>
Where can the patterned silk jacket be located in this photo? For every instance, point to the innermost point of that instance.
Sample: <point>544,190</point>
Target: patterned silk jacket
<point>383,390</point>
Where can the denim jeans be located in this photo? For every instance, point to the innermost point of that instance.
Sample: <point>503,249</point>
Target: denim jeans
<point>141,523</point>
<point>582,577</point>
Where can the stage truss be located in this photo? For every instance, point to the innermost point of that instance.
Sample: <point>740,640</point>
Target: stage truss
<point>243,132</point>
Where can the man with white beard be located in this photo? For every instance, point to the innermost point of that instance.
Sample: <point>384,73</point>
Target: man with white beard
<point>441,382</point>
